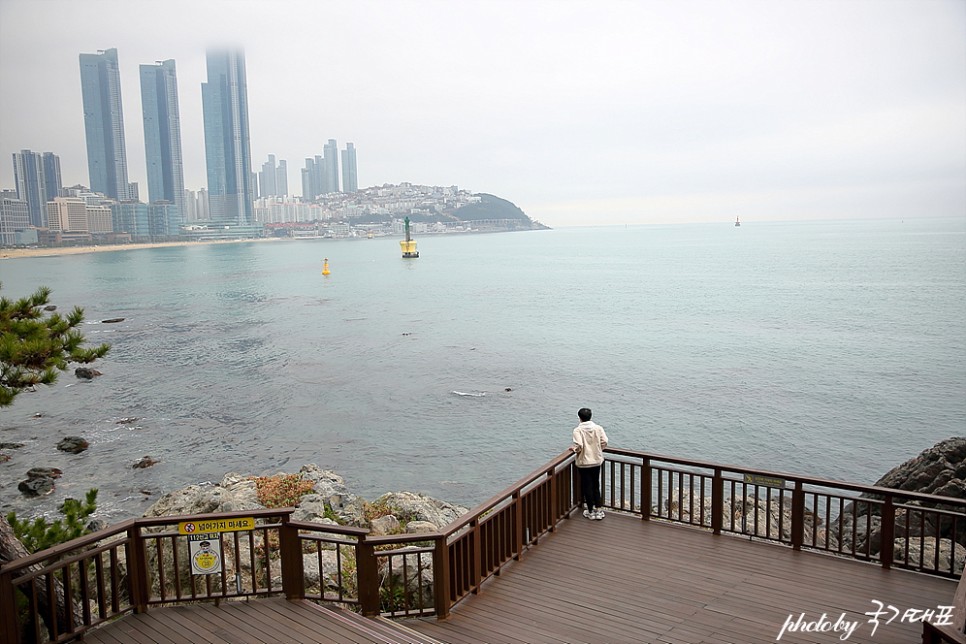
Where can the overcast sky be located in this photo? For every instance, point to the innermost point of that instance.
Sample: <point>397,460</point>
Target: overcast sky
<point>579,112</point>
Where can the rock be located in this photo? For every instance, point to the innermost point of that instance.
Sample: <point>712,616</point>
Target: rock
<point>41,486</point>
<point>942,466</point>
<point>387,524</point>
<point>86,372</point>
<point>73,444</point>
<point>11,445</point>
<point>939,470</point>
<point>420,527</point>
<point>146,461</point>
<point>50,307</point>
<point>951,556</point>
<point>112,320</point>
<point>44,473</point>
<point>418,507</point>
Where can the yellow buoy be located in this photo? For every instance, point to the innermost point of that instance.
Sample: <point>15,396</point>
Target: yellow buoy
<point>325,266</point>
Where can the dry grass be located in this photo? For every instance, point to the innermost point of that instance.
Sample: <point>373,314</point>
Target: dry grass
<point>281,490</point>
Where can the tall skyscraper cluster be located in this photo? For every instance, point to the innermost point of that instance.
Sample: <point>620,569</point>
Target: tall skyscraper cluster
<point>321,174</point>
<point>232,183</point>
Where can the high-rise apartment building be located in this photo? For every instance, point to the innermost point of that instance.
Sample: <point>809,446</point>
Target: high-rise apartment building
<point>281,178</point>
<point>227,146</point>
<point>104,124</point>
<point>350,176</point>
<point>14,218</point>
<point>313,178</point>
<point>331,152</point>
<point>38,181</point>
<point>162,133</point>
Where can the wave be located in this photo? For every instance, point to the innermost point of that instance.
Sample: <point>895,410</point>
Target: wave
<point>478,394</point>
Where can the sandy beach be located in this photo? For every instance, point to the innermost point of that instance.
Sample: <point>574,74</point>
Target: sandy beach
<point>14,253</point>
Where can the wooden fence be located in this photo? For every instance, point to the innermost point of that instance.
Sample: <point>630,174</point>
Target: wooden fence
<point>144,563</point>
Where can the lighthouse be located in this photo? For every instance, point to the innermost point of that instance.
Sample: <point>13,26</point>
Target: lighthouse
<point>408,246</point>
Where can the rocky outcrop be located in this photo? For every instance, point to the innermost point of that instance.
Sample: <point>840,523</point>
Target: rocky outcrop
<point>86,373</point>
<point>73,444</point>
<point>39,481</point>
<point>328,502</point>
<point>939,470</point>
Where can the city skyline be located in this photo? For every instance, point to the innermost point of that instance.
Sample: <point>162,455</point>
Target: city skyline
<point>578,112</point>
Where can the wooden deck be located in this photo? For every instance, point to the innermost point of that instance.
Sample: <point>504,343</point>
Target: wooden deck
<point>617,580</point>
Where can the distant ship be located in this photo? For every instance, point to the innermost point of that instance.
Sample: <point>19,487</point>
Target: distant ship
<point>737,223</point>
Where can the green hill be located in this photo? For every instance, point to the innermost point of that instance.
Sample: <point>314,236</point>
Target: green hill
<point>491,207</point>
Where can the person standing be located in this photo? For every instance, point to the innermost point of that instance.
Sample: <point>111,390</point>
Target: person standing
<point>589,443</point>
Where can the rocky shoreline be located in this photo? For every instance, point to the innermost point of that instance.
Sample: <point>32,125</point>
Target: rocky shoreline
<point>328,502</point>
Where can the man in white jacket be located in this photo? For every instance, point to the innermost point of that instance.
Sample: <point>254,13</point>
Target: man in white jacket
<point>589,443</point>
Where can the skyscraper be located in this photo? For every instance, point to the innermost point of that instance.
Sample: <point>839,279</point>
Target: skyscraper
<point>281,178</point>
<point>313,183</point>
<point>38,181</point>
<point>331,152</point>
<point>227,147</point>
<point>162,134</point>
<point>350,177</point>
<point>266,178</point>
<point>104,124</point>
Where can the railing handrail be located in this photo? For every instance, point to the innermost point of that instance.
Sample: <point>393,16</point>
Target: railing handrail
<point>806,480</point>
<point>69,546</point>
<point>508,492</point>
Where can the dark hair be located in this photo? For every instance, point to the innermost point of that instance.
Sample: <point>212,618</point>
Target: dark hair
<point>584,414</point>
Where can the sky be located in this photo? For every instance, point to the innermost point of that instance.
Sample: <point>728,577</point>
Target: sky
<point>582,113</point>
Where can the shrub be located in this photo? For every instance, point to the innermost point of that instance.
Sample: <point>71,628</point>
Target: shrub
<point>281,490</point>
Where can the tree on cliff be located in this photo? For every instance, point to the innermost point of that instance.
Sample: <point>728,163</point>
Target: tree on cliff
<point>34,348</point>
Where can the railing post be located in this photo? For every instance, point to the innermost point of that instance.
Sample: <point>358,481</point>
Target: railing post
<point>476,556</point>
<point>717,501</point>
<point>518,522</point>
<point>646,489</point>
<point>887,530</point>
<point>290,550</point>
<point>367,570</point>
<point>552,513</point>
<point>798,516</point>
<point>441,581</point>
<point>9,624</point>
<point>137,570</point>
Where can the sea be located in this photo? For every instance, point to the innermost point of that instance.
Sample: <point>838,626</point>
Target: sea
<point>834,349</point>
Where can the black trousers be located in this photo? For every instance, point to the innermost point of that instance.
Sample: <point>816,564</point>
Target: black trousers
<point>590,486</point>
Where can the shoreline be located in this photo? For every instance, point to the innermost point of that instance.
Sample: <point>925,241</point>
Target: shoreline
<point>17,253</point>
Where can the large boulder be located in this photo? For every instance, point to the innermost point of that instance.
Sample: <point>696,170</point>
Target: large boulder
<point>409,506</point>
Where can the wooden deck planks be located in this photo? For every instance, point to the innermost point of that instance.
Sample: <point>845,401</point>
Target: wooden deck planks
<point>645,582</point>
<point>653,582</point>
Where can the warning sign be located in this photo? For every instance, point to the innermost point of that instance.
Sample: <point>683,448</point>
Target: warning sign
<point>216,525</point>
<point>205,553</point>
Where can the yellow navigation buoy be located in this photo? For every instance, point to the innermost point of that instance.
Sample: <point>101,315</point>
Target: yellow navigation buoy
<point>408,245</point>
<point>325,266</point>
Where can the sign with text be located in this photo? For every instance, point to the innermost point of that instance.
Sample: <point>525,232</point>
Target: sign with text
<point>760,479</point>
<point>216,525</point>
<point>205,553</point>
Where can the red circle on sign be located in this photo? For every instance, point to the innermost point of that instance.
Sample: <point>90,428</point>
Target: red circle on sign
<point>189,527</point>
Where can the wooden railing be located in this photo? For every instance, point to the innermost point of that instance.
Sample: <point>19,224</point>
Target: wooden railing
<point>883,525</point>
<point>144,563</point>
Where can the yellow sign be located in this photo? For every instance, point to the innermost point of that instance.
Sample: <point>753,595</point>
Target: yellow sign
<point>760,479</point>
<point>216,525</point>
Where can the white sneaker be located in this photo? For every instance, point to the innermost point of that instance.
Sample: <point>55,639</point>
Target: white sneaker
<point>599,515</point>
<point>588,514</point>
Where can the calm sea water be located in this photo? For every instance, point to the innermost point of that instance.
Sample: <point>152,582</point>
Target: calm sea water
<point>836,349</point>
